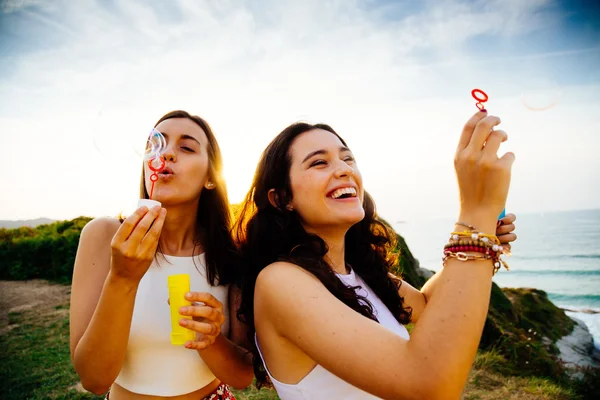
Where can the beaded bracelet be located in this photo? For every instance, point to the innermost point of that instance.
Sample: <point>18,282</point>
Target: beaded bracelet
<point>486,247</point>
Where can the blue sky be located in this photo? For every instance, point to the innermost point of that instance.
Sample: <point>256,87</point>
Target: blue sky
<point>82,82</point>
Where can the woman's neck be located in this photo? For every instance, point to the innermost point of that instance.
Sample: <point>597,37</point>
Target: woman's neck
<point>179,236</point>
<point>336,244</point>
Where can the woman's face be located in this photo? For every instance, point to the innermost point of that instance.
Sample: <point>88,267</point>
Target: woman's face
<point>326,184</point>
<point>187,163</point>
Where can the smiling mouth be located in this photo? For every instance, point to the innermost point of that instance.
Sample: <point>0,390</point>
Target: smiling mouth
<point>343,193</point>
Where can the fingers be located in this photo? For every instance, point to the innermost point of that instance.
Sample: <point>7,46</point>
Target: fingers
<point>493,142</point>
<point>205,328</point>
<point>206,333</point>
<point>508,219</point>
<point>150,241</point>
<point>508,159</point>
<point>509,237</point>
<point>200,344</point>
<point>206,298</point>
<point>207,313</point>
<point>129,224</point>
<point>468,129</point>
<point>482,132</point>
<point>504,229</point>
<point>142,227</point>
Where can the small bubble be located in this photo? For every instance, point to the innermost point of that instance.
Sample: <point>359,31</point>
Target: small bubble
<point>541,95</point>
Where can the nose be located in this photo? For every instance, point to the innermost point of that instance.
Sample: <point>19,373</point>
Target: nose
<point>169,154</point>
<point>343,170</point>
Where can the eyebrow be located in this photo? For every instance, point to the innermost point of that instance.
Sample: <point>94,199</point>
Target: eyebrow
<point>318,152</point>
<point>184,136</point>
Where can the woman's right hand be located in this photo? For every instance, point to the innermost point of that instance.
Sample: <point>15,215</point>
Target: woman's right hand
<point>483,178</point>
<point>134,245</point>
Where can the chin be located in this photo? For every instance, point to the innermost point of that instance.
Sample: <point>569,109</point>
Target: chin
<point>352,218</point>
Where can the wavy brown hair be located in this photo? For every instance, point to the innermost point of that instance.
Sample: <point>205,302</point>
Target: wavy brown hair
<point>266,234</point>
<point>213,219</point>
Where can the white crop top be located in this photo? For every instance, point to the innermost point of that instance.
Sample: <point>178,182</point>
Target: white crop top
<point>322,384</point>
<point>153,366</point>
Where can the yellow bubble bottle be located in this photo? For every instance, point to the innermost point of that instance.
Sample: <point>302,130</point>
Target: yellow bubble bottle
<point>179,285</point>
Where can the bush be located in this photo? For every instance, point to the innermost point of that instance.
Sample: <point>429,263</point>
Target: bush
<point>45,252</point>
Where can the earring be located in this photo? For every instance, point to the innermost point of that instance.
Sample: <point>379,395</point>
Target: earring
<point>209,185</point>
<point>289,207</point>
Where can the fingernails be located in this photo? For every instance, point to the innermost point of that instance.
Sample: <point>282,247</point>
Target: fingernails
<point>483,110</point>
<point>499,222</point>
<point>183,310</point>
<point>183,322</point>
<point>188,295</point>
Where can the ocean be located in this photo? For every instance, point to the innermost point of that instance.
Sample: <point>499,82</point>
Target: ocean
<point>558,252</point>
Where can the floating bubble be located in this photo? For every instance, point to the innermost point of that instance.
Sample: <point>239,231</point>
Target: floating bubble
<point>541,96</point>
<point>155,146</point>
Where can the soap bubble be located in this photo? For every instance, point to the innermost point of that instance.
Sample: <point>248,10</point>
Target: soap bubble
<point>541,95</point>
<point>155,145</point>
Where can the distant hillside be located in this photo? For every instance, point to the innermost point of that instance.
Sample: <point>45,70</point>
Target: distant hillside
<point>28,222</point>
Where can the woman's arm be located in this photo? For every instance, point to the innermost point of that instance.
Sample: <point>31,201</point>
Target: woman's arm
<point>418,299</point>
<point>102,298</point>
<point>433,364</point>
<point>228,358</point>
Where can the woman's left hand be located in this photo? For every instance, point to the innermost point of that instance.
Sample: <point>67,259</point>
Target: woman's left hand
<point>207,318</point>
<point>504,230</point>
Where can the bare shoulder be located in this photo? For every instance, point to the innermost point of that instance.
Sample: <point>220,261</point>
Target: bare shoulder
<point>281,285</point>
<point>103,227</point>
<point>283,275</point>
<point>94,244</point>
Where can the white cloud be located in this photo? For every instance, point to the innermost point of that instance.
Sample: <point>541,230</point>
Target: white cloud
<point>394,81</point>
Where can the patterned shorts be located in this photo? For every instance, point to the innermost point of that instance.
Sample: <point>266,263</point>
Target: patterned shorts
<point>221,393</point>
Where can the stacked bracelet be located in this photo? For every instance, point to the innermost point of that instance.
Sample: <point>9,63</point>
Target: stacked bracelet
<point>474,245</point>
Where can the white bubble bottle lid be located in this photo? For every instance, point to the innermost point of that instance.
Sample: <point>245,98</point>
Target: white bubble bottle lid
<point>148,203</point>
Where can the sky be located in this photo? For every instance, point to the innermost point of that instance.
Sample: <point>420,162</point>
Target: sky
<point>82,83</point>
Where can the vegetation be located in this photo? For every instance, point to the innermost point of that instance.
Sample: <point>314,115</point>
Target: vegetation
<point>517,357</point>
<point>46,251</point>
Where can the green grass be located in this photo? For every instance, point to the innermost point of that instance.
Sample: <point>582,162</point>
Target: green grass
<point>35,364</point>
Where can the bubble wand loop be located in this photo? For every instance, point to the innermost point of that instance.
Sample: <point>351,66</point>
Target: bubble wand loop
<point>155,171</point>
<point>481,98</point>
<point>476,93</point>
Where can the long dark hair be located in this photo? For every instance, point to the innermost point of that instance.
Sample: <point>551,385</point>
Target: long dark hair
<point>266,234</point>
<point>213,220</point>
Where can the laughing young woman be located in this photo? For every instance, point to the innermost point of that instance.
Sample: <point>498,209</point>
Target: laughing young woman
<point>120,317</point>
<point>328,317</point>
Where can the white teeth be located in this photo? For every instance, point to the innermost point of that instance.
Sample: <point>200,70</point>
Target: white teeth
<point>338,193</point>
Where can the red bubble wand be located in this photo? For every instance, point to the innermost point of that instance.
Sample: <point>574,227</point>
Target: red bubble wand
<point>155,171</point>
<point>481,98</point>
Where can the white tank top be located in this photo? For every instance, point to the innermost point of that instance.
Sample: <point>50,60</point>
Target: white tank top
<point>322,384</point>
<point>153,366</point>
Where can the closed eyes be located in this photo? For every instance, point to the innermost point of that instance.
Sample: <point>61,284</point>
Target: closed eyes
<point>347,159</point>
